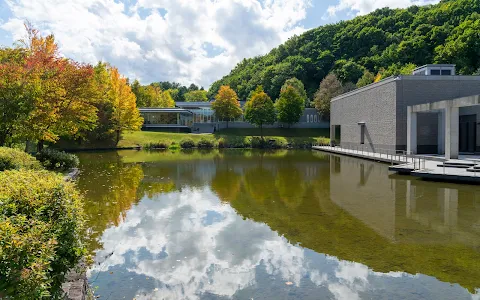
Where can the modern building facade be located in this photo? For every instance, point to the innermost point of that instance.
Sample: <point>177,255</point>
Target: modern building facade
<point>198,117</point>
<point>432,111</point>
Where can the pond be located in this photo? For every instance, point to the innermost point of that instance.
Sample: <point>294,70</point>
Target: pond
<point>239,224</point>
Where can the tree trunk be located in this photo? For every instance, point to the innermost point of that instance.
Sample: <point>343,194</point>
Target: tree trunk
<point>118,137</point>
<point>40,145</point>
<point>261,131</point>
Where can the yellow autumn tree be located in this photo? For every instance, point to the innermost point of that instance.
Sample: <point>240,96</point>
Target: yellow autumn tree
<point>126,115</point>
<point>226,104</point>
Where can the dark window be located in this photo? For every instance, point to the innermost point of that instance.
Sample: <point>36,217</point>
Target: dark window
<point>435,72</point>
<point>446,72</point>
<point>338,134</point>
<point>362,134</point>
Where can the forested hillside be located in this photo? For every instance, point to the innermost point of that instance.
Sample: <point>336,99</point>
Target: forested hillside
<point>385,42</point>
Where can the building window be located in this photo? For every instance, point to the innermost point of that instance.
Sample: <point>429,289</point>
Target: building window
<point>435,72</point>
<point>447,72</point>
<point>362,134</point>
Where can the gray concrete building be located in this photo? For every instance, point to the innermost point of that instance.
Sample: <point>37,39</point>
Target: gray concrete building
<point>432,111</point>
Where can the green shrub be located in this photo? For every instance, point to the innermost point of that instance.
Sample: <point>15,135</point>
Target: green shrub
<point>205,144</point>
<point>268,143</point>
<point>222,143</point>
<point>41,222</point>
<point>158,145</point>
<point>234,142</point>
<point>14,159</point>
<point>187,143</point>
<point>53,159</point>
<point>174,146</point>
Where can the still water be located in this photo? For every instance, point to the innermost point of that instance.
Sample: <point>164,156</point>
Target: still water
<point>275,225</point>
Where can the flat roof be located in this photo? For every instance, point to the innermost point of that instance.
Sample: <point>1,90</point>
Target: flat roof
<point>434,65</point>
<point>197,104</point>
<point>166,110</point>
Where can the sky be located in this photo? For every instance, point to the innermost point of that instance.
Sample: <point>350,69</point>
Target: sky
<point>184,41</point>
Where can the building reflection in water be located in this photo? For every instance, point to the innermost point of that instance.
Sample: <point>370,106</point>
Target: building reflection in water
<point>402,208</point>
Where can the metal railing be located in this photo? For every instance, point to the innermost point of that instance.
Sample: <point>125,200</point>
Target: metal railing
<point>400,157</point>
<point>394,156</point>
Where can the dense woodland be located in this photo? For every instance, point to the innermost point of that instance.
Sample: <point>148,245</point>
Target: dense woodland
<point>370,47</point>
<point>165,93</point>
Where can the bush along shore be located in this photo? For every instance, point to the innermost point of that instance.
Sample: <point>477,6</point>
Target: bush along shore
<point>236,143</point>
<point>41,224</point>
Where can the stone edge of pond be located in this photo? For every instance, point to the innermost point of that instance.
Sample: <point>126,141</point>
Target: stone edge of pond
<point>76,285</point>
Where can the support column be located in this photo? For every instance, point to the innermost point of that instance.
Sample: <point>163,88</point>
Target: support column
<point>451,132</point>
<point>450,207</point>
<point>411,201</point>
<point>441,132</point>
<point>411,131</point>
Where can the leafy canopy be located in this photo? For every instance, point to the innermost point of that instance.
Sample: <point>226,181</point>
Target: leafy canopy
<point>289,106</point>
<point>226,104</point>
<point>260,110</point>
<point>196,96</point>
<point>445,33</point>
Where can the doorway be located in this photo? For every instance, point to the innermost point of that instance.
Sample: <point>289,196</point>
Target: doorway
<point>467,133</point>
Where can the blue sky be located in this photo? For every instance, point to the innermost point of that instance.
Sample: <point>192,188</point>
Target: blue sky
<point>177,40</point>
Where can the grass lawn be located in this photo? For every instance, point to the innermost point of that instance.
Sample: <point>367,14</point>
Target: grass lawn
<point>142,138</point>
<point>231,137</point>
<point>277,132</point>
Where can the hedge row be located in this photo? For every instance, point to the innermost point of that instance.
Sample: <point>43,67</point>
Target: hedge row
<point>41,222</point>
<point>14,159</point>
<point>234,142</point>
<point>50,159</point>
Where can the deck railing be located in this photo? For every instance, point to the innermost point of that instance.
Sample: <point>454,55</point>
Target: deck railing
<point>395,156</point>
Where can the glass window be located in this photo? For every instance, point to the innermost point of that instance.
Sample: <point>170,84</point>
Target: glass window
<point>315,118</point>
<point>446,72</point>
<point>434,72</point>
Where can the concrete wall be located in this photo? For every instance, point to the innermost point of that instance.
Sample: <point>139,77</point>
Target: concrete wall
<point>374,105</point>
<point>352,179</point>
<point>383,108</point>
<point>413,90</point>
<point>310,113</point>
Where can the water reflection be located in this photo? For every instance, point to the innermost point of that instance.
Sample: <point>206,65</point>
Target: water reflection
<point>297,225</point>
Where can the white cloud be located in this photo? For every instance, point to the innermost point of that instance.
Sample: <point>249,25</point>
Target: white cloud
<point>146,43</point>
<point>362,7</point>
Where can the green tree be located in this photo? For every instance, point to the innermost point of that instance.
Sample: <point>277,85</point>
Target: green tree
<point>226,104</point>
<point>260,111</point>
<point>289,106</point>
<point>462,46</point>
<point>196,96</point>
<point>348,71</point>
<point>330,87</point>
<point>257,90</point>
<point>366,79</point>
<point>446,32</point>
<point>298,86</point>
